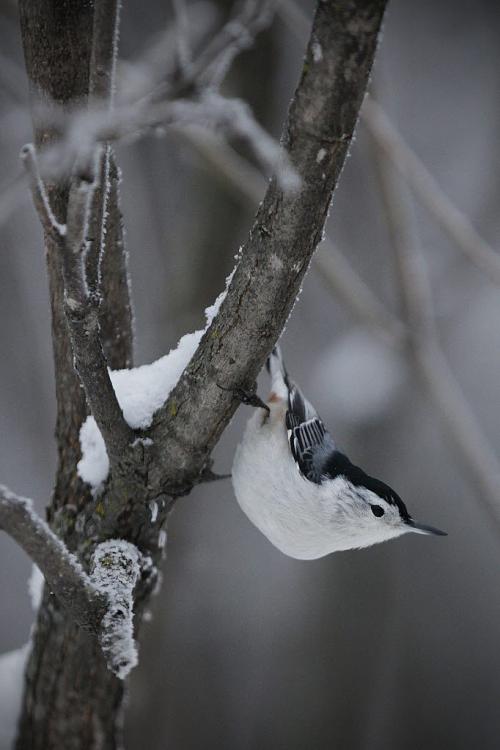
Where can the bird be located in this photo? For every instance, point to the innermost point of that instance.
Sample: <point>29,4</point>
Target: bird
<point>299,490</point>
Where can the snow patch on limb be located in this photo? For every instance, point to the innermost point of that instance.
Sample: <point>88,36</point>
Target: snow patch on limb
<point>140,391</point>
<point>115,571</point>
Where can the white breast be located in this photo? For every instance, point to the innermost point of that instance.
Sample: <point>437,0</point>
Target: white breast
<point>300,518</point>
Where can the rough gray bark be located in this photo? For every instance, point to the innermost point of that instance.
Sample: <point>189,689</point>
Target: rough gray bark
<point>72,700</point>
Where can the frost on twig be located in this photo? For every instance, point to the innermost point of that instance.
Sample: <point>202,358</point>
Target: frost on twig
<point>116,570</point>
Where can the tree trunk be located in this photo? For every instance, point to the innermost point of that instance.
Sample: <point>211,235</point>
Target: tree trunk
<point>71,699</point>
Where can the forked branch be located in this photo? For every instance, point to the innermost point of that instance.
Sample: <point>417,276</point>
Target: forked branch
<point>81,307</point>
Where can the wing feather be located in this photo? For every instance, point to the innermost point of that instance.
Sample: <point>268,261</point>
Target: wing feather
<point>310,443</point>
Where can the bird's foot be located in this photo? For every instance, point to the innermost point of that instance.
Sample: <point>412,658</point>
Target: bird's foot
<point>247,397</point>
<point>210,476</point>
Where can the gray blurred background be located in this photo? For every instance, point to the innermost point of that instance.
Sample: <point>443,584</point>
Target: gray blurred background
<point>391,647</point>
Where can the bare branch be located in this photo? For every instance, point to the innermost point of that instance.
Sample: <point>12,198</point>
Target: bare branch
<point>287,229</point>
<point>477,454</point>
<point>454,222</point>
<point>62,571</point>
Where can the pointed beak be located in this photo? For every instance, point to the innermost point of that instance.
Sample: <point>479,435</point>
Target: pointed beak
<point>421,528</point>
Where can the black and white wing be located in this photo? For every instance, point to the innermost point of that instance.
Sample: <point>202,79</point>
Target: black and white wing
<point>311,445</point>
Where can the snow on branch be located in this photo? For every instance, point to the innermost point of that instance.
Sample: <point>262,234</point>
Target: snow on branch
<point>115,572</point>
<point>82,307</point>
<point>61,569</point>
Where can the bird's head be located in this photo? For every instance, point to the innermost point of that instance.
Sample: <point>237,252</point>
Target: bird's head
<point>373,512</point>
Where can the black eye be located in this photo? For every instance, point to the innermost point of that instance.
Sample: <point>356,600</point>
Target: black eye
<point>377,510</point>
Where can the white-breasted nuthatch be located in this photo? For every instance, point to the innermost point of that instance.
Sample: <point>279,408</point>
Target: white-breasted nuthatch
<point>304,495</point>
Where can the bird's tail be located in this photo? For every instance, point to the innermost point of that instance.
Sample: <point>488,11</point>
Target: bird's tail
<point>280,384</point>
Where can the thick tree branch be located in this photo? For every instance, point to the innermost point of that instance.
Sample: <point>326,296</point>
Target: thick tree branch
<point>61,569</point>
<point>287,229</point>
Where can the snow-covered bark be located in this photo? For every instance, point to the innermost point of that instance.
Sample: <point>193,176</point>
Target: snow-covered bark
<point>115,571</point>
